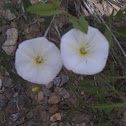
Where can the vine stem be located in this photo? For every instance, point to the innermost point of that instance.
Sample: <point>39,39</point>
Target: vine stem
<point>65,13</point>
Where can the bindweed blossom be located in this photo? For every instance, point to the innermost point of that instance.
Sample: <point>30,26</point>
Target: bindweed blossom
<point>82,53</point>
<point>38,60</point>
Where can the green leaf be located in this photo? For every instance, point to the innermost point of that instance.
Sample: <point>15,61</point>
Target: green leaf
<point>87,82</point>
<point>122,31</point>
<point>111,19</point>
<point>102,28</point>
<point>117,77</point>
<point>75,24</point>
<point>112,69</point>
<point>120,111</point>
<point>118,59</point>
<point>44,9</point>
<point>119,14</point>
<point>92,89</point>
<point>26,4</point>
<point>105,106</point>
<point>4,59</point>
<point>108,35</point>
<point>108,110</point>
<point>84,25</point>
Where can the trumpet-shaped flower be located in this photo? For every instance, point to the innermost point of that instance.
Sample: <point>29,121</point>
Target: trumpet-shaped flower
<point>38,60</point>
<point>84,53</point>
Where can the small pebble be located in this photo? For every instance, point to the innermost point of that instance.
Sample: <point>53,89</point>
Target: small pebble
<point>14,117</point>
<point>91,123</point>
<point>53,108</point>
<point>46,91</point>
<point>21,100</point>
<point>62,92</point>
<point>55,117</point>
<point>9,45</point>
<point>54,124</point>
<point>8,82</point>
<point>54,98</point>
<point>40,96</point>
<point>64,79</point>
<point>3,102</point>
<point>61,124</point>
<point>10,16</point>
<point>35,1</point>
<point>81,124</point>
<point>82,92</point>
<point>49,85</point>
<point>57,81</point>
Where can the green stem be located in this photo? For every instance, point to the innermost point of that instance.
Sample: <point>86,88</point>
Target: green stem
<point>119,33</point>
<point>113,88</point>
<point>65,13</point>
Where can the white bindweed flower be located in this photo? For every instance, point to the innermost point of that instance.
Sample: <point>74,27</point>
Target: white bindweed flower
<point>84,53</point>
<point>38,60</point>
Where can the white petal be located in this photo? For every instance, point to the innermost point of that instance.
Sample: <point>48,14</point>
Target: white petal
<point>74,38</point>
<point>97,48</point>
<point>23,63</point>
<point>88,67</point>
<point>38,73</point>
<point>52,61</point>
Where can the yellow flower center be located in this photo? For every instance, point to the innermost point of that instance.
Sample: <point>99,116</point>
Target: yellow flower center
<point>39,60</point>
<point>82,50</point>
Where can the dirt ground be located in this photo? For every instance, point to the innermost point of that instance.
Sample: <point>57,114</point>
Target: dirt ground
<point>55,104</point>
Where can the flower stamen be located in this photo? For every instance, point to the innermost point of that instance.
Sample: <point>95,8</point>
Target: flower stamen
<point>39,60</point>
<point>83,51</point>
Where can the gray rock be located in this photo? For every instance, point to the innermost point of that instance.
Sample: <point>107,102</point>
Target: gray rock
<point>10,16</point>
<point>65,115</point>
<point>54,124</point>
<point>8,82</point>
<point>62,92</point>
<point>63,106</point>
<point>21,99</point>
<point>64,79</point>
<point>13,100</point>
<point>46,91</point>
<point>3,102</point>
<point>57,81</point>
<point>12,91</point>
<point>61,80</point>
<point>14,117</point>
<point>9,45</point>
<point>91,123</point>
